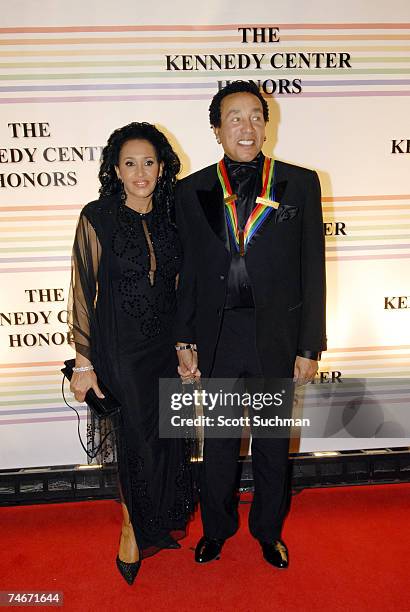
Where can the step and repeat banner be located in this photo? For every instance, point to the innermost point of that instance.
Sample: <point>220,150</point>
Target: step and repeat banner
<point>337,80</point>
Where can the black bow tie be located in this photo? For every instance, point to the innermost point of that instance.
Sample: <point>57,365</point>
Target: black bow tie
<point>240,170</point>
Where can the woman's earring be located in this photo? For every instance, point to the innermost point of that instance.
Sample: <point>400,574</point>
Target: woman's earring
<point>123,195</point>
<point>264,140</point>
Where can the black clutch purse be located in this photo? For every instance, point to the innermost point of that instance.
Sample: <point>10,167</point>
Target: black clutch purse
<point>101,408</point>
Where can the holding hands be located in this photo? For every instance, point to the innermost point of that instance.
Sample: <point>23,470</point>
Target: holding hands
<point>188,362</point>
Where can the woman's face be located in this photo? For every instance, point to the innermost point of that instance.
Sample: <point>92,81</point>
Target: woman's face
<point>139,169</point>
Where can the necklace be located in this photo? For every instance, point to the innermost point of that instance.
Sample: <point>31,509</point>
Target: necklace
<point>139,212</point>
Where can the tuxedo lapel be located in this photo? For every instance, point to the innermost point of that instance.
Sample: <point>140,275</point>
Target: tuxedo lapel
<point>275,215</point>
<point>214,210</point>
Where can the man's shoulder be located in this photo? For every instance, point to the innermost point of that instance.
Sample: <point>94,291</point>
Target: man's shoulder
<point>206,177</point>
<point>199,178</point>
<point>287,170</point>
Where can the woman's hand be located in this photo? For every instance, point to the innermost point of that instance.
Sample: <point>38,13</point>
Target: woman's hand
<point>81,382</point>
<point>188,364</point>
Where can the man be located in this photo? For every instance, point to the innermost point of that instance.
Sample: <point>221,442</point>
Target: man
<point>251,301</point>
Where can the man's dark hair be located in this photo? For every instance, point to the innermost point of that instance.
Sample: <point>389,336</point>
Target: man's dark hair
<point>232,88</point>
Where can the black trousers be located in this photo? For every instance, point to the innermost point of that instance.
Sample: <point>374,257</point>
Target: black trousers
<point>236,357</point>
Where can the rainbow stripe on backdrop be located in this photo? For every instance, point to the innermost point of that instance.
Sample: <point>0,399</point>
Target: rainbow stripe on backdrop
<point>378,230</point>
<point>31,391</point>
<point>79,63</point>
<point>126,63</point>
<point>259,213</point>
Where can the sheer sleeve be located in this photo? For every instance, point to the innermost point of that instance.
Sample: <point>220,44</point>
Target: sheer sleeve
<point>83,293</point>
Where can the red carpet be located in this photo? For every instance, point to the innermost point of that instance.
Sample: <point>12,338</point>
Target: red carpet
<point>349,550</point>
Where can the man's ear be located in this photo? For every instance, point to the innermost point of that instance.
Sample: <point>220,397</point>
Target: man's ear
<point>216,132</point>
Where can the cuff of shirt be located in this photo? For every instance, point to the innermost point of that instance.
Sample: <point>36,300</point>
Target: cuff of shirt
<point>315,355</point>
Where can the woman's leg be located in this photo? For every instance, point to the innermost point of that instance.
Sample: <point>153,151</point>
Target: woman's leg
<point>128,549</point>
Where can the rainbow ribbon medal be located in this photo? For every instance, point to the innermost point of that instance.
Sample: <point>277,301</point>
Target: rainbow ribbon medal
<point>263,208</point>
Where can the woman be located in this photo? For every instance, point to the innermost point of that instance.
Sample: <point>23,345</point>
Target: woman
<point>126,258</point>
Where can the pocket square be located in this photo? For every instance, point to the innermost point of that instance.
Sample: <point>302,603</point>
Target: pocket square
<point>286,213</point>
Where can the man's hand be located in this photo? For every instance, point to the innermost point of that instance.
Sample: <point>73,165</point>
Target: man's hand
<point>188,364</point>
<point>305,370</point>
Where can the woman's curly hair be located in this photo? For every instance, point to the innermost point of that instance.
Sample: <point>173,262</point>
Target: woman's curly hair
<point>164,190</point>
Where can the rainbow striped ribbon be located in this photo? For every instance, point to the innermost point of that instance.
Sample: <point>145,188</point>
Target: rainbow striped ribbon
<point>265,203</point>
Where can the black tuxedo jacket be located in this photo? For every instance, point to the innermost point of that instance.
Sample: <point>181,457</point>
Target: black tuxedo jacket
<point>285,263</point>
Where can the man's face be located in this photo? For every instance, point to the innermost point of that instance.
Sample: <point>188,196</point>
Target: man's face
<point>242,129</point>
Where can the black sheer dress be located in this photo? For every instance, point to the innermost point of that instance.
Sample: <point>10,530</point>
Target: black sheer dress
<point>123,324</point>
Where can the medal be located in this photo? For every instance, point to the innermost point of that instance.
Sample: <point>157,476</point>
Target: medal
<point>265,203</point>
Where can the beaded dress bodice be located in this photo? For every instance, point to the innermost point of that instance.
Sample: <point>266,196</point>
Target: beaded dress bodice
<point>148,309</point>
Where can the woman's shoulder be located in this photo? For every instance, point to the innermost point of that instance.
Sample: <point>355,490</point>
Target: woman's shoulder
<point>98,210</point>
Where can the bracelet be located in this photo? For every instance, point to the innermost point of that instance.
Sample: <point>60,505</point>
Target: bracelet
<point>185,347</point>
<point>84,368</point>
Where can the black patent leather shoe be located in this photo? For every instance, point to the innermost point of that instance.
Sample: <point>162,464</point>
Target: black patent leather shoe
<point>275,553</point>
<point>208,549</point>
<point>128,571</point>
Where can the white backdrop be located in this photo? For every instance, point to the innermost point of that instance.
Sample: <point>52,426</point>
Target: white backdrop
<point>85,71</point>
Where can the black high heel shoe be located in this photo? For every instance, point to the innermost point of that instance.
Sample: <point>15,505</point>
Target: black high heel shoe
<point>128,571</point>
